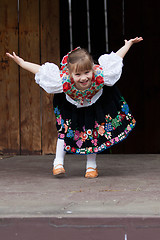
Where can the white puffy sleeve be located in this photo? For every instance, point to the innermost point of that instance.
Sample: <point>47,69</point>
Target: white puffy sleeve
<point>112,67</point>
<point>49,78</point>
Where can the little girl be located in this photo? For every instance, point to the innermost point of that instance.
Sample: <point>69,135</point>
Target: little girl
<point>91,115</point>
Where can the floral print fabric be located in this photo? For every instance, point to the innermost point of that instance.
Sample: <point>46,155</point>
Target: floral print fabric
<point>102,136</point>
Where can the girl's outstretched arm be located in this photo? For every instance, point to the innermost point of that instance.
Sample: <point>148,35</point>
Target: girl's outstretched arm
<point>128,43</point>
<point>31,67</point>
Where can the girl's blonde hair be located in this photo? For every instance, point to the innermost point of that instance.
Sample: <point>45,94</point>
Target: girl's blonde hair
<point>79,60</point>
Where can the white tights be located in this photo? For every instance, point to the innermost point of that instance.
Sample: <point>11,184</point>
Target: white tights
<point>91,162</point>
<point>60,154</point>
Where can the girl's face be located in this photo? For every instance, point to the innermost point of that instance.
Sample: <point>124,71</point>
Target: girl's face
<point>82,79</point>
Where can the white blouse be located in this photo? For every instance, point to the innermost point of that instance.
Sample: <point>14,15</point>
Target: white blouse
<point>49,78</point>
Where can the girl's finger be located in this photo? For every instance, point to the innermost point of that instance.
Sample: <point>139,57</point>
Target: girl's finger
<point>9,55</point>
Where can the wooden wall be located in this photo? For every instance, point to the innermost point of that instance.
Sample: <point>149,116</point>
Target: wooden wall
<point>27,123</point>
<point>40,33</point>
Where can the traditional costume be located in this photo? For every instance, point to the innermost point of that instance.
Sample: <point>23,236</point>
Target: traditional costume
<point>92,120</point>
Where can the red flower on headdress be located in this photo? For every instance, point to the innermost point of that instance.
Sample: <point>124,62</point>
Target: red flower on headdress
<point>64,60</point>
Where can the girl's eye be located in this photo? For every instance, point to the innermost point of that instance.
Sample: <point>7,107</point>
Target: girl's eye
<point>77,74</point>
<point>86,72</point>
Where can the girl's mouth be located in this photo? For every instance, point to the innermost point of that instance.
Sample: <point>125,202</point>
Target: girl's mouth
<point>84,82</point>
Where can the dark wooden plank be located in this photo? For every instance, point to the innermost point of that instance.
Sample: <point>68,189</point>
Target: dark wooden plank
<point>50,44</point>
<point>97,28</point>
<point>132,82</point>
<point>9,81</point>
<point>79,24</point>
<point>29,91</point>
<point>151,19</point>
<point>64,28</point>
<point>115,24</point>
<point>133,18</point>
<point>115,37</point>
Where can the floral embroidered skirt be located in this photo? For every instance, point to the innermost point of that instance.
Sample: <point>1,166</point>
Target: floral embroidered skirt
<point>95,128</point>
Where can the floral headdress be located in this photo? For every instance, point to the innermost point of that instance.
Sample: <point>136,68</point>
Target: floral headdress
<point>64,60</point>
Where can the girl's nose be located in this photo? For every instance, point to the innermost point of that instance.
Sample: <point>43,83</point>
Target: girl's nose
<point>83,77</point>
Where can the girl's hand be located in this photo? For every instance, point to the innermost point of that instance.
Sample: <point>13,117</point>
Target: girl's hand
<point>31,67</point>
<point>16,58</point>
<point>133,40</point>
<point>128,43</point>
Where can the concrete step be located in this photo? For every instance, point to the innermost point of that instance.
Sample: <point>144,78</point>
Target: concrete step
<point>123,201</point>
